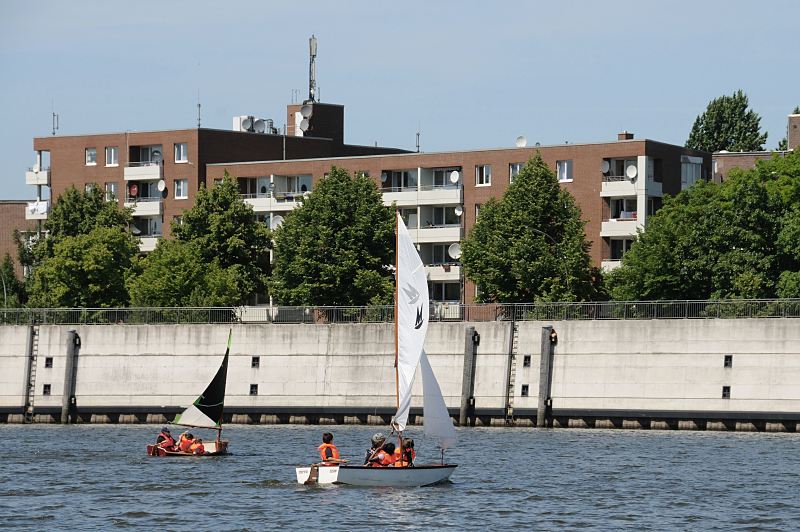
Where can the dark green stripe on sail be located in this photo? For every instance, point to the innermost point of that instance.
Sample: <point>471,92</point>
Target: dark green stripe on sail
<point>212,400</point>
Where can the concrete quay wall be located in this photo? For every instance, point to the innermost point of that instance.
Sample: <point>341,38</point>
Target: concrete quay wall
<point>632,374</point>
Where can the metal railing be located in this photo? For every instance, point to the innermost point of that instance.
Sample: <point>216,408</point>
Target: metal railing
<point>600,310</point>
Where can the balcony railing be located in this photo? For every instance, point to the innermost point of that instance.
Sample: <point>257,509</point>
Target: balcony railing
<point>601,310</point>
<point>614,178</point>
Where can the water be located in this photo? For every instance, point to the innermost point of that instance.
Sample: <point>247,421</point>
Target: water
<point>98,477</point>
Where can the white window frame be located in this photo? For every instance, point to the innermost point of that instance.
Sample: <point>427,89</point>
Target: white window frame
<point>483,175</point>
<point>112,155</point>
<point>181,152</point>
<point>111,191</point>
<point>514,170</point>
<point>181,189</point>
<point>93,161</point>
<point>564,171</point>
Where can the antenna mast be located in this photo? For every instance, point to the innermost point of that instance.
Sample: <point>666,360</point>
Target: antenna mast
<point>55,117</point>
<point>198,108</point>
<point>312,68</point>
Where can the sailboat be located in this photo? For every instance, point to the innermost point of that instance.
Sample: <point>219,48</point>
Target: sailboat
<point>204,413</point>
<point>411,325</point>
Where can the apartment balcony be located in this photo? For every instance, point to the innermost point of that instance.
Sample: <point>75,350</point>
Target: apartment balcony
<point>148,171</point>
<point>618,186</point>
<point>145,206</point>
<point>610,264</point>
<point>281,201</point>
<point>148,243</point>
<point>424,195</point>
<point>443,272</point>
<point>37,210</point>
<point>625,225</point>
<point>37,176</point>
<point>435,234</point>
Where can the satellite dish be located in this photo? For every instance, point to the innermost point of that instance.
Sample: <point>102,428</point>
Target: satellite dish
<point>135,230</point>
<point>156,156</point>
<point>604,166</point>
<point>454,176</point>
<point>161,185</point>
<point>276,222</point>
<point>259,126</point>
<point>459,210</point>
<point>247,123</point>
<point>304,125</point>
<point>305,111</point>
<point>454,250</point>
<point>631,172</point>
<point>522,141</point>
<point>384,177</point>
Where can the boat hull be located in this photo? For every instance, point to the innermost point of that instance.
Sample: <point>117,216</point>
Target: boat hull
<point>211,450</point>
<point>398,477</point>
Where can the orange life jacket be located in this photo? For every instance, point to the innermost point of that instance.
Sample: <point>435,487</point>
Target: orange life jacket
<point>166,442</point>
<point>197,448</point>
<point>185,444</point>
<point>324,451</point>
<point>400,457</point>
<point>383,459</point>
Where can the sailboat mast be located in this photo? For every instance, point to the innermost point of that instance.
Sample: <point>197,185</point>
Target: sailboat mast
<point>396,284</point>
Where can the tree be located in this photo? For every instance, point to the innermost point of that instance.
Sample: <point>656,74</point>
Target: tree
<point>222,228</point>
<point>335,248</point>
<point>783,144</point>
<point>727,124</point>
<point>530,245</point>
<point>86,270</point>
<point>13,288</point>
<point>175,275</point>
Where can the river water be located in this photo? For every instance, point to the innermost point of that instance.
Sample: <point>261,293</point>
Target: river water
<point>98,477</point>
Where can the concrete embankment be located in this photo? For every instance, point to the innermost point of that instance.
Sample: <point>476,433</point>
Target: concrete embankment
<point>737,374</point>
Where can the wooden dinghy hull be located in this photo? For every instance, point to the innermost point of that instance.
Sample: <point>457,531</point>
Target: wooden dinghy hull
<point>396,477</point>
<point>211,450</point>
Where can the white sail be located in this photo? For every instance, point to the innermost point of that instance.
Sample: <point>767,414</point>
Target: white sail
<point>436,418</point>
<point>194,417</point>
<point>412,318</point>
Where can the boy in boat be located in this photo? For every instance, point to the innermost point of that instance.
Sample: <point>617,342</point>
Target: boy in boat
<point>165,439</point>
<point>384,457</point>
<point>197,447</point>
<point>328,451</point>
<point>186,441</point>
<point>377,443</point>
<point>405,457</point>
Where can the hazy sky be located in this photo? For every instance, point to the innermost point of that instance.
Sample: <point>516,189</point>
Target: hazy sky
<point>468,74</point>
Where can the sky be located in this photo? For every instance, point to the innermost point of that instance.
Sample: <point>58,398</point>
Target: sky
<point>466,74</point>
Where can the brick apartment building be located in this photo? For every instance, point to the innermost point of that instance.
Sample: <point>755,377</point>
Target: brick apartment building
<point>617,184</point>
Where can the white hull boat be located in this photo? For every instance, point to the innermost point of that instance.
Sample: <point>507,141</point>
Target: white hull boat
<point>396,477</point>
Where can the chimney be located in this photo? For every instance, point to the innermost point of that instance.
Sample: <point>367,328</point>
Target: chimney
<point>793,133</point>
<point>624,136</point>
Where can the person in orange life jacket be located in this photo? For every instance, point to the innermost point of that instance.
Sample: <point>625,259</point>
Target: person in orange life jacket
<point>377,443</point>
<point>406,456</point>
<point>197,447</point>
<point>384,457</point>
<point>186,441</point>
<point>328,451</point>
<point>165,439</point>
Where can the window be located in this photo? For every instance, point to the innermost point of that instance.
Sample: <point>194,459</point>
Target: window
<point>444,216</point>
<point>88,187</point>
<point>658,170</point>
<point>254,389</point>
<point>439,254</point>
<point>48,362</point>
<point>691,170</point>
<point>564,169</point>
<point>91,156</point>
<point>255,362</point>
<point>399,180</point>
<point>111,191</point>
<point>726,392</point>
<point>409,217</point>
<point>513,171</point>
<point>112,156</point>
<point>654,203</point>
<point>181,189</point>
<point>483,175</point>
<point>619,248</point>
<point>623,209</point>
<point>728,361</point>
<point>46,389</point>
<point>177,220</point>
<point>477,210</point>
<point>525,390</point>
<point>445,292</point>
<point>441,177</point>
<point>526,361</point>
<point>182,153</point>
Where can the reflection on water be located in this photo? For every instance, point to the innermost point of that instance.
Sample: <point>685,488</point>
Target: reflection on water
<point>99,476</point>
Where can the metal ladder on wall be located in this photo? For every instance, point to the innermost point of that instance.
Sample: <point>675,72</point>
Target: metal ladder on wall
<point>30,392</point>
<point>512,372</point>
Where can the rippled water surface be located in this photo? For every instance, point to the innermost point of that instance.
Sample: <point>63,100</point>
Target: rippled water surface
<point>92,477</point>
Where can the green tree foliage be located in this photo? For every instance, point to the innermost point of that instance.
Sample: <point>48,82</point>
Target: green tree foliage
<point>72,256</point>
<point>727,124</point>
<point>335,248</point>
<point>13,289</point>
<point>222,228</point>
<point>175,275</point>
<point>530,245</point>
<point>738,239</point>
<point>86,270</point>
